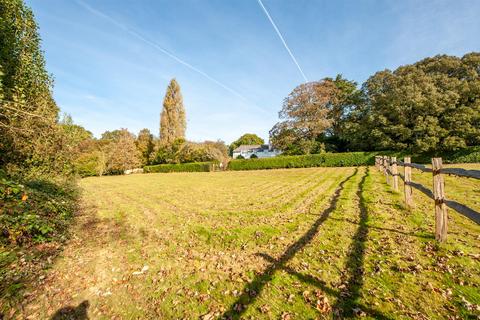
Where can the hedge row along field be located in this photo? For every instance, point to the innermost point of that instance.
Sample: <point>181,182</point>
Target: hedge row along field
<point>349,159</point>
<point>181,167</point>
<point>346,159</point>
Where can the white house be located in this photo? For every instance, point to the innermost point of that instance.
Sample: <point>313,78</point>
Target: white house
<point>260,151</point>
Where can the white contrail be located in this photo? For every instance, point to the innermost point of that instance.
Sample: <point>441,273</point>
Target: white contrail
<point>164,51</point>
<point>283,40</point>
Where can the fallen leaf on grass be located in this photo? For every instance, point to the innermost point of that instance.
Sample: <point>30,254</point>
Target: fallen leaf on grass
<point>238,307</point>
<point>137,273</point>
<point>322,303</point>
<point>319,300</point>
<point>290,298</point>
<point>358,312</point>
<point>208,316</point>
<point>265,308</point>
<point>470,306</point>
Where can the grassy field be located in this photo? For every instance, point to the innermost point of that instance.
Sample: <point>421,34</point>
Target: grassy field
<point>288,244</point>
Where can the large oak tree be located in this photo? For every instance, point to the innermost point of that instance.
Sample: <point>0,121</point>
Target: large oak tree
<point>430,106</point>
<point>312,114</point>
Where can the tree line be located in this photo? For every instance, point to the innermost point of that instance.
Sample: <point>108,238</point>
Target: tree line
<point>36,141</point>
<point>119,150</point>
<point>430,106</point>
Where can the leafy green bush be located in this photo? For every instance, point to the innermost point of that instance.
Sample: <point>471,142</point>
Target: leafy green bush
<point>90,164</point>
<point>35,211</point>
<point>181,167</point>
<point>468,155</point>
<point>313,160</point>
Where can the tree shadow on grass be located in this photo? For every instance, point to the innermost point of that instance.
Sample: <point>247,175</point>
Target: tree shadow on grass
<point>255,287</point>
<point>346,304</point>
<point>72,313</point>
<point>409,234</point>
<point>353,277</point>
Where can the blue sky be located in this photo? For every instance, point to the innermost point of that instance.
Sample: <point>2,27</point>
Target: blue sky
<point>111,70</point>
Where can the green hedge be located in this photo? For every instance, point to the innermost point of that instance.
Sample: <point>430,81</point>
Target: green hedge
<point>181,167</point>
<point>467,155</point>
<point>346,159</point>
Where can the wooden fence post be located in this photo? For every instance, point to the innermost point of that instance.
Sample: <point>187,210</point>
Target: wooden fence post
<point>408,179</point>
<point>441,216</point>
<point>394,173</point>
<point>387,168</point>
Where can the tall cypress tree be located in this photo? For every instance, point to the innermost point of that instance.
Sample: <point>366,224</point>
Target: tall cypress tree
<point>172,118</point>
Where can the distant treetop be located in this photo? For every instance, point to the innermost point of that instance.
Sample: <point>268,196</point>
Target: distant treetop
<point>247,139</point>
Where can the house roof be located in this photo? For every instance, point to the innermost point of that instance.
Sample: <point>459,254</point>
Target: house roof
<point>247,147</point>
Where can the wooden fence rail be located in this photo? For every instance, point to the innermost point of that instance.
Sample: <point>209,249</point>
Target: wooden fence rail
<point>389,167</point>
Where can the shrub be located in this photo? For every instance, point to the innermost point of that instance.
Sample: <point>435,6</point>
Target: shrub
<point>35,211</point>
<point>123,153</point>
<point>91,164</point>
<point>181,151</point>
<point>313,160</point>
<point>182,167</point>
<point>467,155</point>
<point>202,152</point>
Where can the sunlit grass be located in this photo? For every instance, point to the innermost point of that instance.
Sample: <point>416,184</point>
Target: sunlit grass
<point>304,243</point>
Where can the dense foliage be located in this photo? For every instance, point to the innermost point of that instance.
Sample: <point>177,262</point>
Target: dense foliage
<point>36,150</point>
<point>145,145</point>
<point>181,167</point>
<point>182,151</point>
<point>34,212</point>
<point>115,152</point>
<point>30,138</point>
<point>312,116</point>
<point>430,106</point>
<point>305,161</point>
